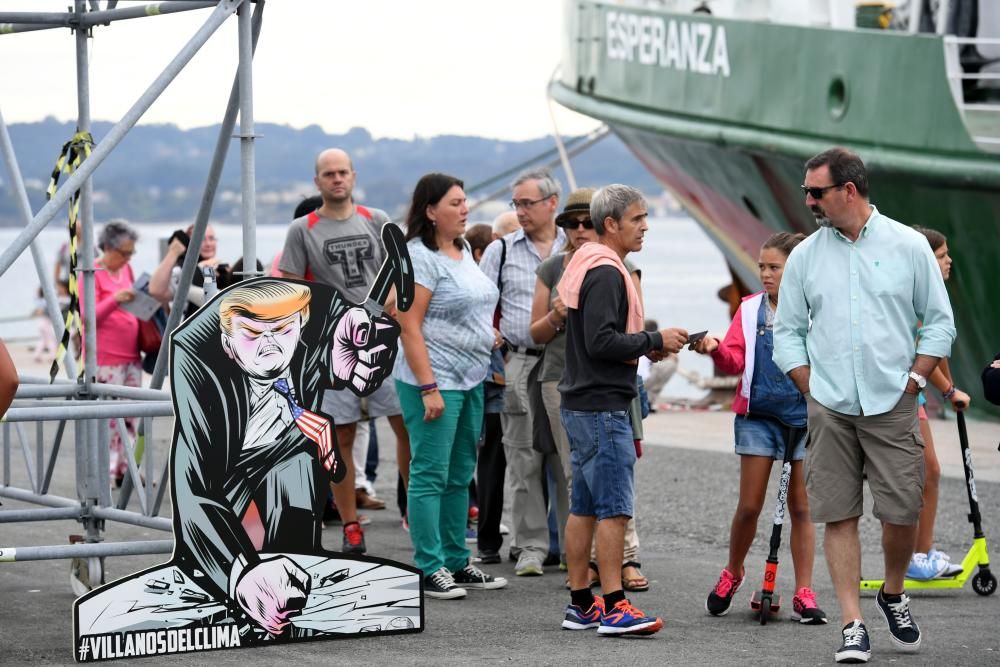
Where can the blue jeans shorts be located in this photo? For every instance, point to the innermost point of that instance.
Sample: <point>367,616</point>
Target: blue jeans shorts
<point>602,454</point>
<point>763,437</point>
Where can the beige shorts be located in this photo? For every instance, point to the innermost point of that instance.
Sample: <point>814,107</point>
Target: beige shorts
<point>843,447</point>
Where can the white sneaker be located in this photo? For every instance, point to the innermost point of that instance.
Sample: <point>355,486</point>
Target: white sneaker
<point>950,570</point>
<point>504,530</point>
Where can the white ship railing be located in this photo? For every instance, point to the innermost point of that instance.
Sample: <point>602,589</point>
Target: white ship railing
<point>982,119</point>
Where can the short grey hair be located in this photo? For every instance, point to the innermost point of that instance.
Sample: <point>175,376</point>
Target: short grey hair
<point>547,184</point>
<point>505,223</point>
<point>114,233</point>
<point>611,202</point>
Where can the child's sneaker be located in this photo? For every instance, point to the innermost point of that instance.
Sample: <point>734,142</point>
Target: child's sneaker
<point>805,610</point>
<point>922,568</point>
<point>577,619</point>
<point>950,570</point>
<point>721,597</point>
<point>624,619</point>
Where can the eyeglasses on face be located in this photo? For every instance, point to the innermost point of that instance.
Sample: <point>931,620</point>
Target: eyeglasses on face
<point>525,203</point>
<point>125,253</point>
<point>817,193</point>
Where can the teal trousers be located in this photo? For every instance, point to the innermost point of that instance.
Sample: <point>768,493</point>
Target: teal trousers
<point>442,463</point>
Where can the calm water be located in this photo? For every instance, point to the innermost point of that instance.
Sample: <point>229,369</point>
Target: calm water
<point>681,269</point>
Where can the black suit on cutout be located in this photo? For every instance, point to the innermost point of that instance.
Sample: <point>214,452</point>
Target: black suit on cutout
<point>213,480</point>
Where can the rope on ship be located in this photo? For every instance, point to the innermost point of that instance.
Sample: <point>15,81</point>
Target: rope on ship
<point>73,153</point>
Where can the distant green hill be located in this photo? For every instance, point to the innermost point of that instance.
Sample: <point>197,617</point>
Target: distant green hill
<point>158,172</point>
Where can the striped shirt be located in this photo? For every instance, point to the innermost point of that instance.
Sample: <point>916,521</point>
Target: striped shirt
<point>518,280</point>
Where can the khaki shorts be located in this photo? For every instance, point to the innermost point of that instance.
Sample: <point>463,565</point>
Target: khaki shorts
<point>887,446</point>
<point>345,406</point>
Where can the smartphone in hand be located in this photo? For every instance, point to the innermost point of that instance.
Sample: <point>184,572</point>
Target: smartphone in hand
<point>695,338</point>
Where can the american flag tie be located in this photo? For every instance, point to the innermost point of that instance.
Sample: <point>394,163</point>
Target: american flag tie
<point>315,427</point>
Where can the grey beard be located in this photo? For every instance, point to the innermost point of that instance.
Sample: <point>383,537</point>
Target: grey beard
<point>823,222</point>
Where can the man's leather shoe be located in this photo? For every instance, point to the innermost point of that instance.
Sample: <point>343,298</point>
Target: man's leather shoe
<point>487,557</point>
<point>366,502</point>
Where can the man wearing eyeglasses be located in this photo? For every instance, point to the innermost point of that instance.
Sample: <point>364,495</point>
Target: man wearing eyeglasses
<point>851,297</point>
<point>511,262</point>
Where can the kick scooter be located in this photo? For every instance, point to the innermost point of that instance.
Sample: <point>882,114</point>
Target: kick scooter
<point>984,582</point>
<point>764,602</point>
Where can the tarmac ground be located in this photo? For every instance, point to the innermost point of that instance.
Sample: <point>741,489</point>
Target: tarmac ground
<point>686,492</point>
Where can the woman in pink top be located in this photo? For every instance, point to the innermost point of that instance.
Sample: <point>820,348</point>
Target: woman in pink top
<point>117,329</point>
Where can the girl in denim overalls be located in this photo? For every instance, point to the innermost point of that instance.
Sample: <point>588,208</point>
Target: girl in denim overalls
<point>765,397</point>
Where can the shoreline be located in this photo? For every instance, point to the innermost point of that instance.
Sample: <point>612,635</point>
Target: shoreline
<point>709,429</point>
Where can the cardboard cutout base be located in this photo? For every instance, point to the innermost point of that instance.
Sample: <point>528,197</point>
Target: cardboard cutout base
<point>161,610</point>
<point>252,444</point>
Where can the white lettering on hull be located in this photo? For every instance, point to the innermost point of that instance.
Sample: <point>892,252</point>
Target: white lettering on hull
<point>687,46</point>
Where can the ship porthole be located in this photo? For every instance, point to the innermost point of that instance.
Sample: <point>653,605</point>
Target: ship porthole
<point>837,98</point>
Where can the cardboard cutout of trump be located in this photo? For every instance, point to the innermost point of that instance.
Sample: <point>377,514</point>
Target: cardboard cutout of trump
<point>247,376</point>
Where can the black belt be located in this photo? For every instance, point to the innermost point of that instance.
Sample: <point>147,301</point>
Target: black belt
<point>530,351</point>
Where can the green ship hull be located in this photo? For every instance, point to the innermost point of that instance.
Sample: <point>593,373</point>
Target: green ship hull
<point>725,112</point>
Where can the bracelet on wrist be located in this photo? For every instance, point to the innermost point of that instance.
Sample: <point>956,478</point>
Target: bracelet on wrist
<point>428,392</point>
<point>428,387</point>
<point>951,392</point>
<point>557,326</point>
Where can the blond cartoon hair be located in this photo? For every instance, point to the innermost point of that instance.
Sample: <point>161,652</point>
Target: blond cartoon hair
<point>268,300</point>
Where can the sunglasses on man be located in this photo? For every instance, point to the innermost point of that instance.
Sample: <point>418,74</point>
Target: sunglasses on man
<point>817,193</point>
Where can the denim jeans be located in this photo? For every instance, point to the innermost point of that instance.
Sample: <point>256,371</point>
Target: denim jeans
<point>602,453</point>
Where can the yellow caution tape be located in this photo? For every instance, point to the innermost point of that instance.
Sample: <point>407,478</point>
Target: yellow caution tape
<point>74,152</point>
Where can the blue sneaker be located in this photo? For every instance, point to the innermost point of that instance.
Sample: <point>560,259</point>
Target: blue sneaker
<point>923,568</point>
<point>624,619</point>
<point>577,619</point>
<point>950,569</point>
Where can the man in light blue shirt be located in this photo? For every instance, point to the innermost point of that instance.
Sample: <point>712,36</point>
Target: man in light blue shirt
<point>852,296</point>
<point>511,263</point>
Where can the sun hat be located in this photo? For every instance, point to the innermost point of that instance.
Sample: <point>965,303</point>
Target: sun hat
<point>578,201</point>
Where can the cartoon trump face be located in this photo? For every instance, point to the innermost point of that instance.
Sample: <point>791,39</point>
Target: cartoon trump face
<point>261,326</point>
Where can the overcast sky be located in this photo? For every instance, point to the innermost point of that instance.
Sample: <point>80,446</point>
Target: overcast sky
<point>400,68</point>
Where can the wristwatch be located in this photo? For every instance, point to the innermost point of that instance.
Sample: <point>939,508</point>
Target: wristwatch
<point>919,379</point>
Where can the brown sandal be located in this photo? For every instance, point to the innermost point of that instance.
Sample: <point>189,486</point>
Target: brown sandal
<point>595,577</point>
<point>635,584</point>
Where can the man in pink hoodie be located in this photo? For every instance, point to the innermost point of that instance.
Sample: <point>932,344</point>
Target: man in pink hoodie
<point>604,339</point>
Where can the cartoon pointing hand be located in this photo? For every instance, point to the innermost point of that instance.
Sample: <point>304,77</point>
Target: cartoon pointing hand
<point>363,351</point>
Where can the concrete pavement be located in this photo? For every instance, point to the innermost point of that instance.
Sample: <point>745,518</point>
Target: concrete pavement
<point>686,483</point>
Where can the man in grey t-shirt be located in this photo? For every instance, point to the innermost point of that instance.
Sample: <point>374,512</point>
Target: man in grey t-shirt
<point>339,244</point>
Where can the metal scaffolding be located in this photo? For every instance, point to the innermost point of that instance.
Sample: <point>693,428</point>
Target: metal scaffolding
<point>80,399</point>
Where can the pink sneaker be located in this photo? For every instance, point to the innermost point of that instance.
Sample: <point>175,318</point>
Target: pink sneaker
<point>805,610</point>
<point>721,597</point>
